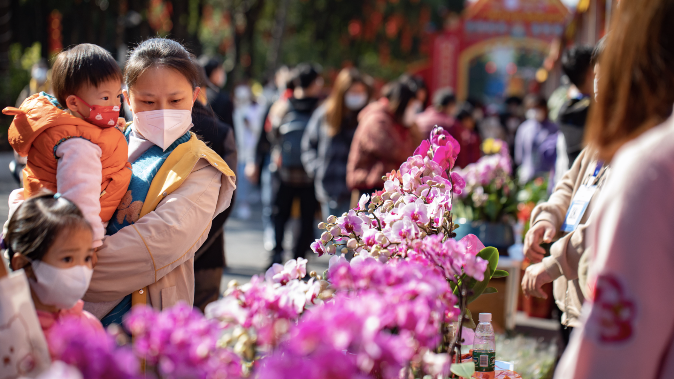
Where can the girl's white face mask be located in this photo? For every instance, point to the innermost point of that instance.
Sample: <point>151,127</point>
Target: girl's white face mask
<point>164,126</point>
<point>60,287</point>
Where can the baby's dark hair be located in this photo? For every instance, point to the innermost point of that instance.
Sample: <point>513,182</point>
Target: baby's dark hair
<point>82,64</point>
<point>161,52</point>
<point>38,222</point>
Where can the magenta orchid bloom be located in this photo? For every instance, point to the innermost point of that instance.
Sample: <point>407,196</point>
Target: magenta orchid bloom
<point>318,248</point>
<point>417,212</point>
<point>350,223</point>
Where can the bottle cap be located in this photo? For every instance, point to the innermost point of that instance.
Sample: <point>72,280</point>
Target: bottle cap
<point>485,317</point>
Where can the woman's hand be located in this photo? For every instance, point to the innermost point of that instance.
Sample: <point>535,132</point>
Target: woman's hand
<point>252,172</point>
<point>534,278</point>
<point>542,231</point>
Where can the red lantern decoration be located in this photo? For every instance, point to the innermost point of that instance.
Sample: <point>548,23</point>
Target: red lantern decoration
<point>54,28</point>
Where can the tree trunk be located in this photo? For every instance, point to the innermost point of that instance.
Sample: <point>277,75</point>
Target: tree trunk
<point>277,37</point>
<point>179,18</point>
<point>250,9</point>
<point>135,33</point>
<point>249,34</point>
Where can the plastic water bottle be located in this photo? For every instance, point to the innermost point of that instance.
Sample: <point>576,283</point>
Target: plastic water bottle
<point>484,347</point>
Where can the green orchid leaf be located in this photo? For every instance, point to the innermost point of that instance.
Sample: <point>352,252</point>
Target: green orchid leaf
<point>500,274</point>
<point>490,254</point>
<point>489,290</point>
<point>479,287</point>
<point>464,370</point>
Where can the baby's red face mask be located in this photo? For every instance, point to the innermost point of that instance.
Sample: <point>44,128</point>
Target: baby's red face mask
<point>103,116</point>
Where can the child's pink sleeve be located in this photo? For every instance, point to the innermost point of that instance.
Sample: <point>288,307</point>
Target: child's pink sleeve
<point>78,179</point>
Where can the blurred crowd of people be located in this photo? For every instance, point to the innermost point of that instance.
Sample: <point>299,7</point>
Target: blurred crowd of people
<point>305,148</point>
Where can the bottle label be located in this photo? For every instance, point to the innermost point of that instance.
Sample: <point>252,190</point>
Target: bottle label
<point>485,361</point>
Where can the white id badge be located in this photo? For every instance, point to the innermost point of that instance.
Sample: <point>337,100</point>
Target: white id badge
<point>578,207</point>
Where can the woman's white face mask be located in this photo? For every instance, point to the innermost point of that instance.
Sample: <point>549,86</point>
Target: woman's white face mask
<point>355,101</point>
<point>163,127</point>
<point>60,287</point>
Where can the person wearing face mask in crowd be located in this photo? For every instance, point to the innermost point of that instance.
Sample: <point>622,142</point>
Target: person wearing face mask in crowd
<point>178,187</point>
<point>39,81</point>
<point>536,142</point>
<point>286,162</point>
<point>209,260</point>
<point>577,64</point>
<point>218,99</point>
<point>259,170</point>
<point>48,242</point>
<point>386,136</point>
<point>441,113</point>
<point>465,132</point>
<point>327,140</point>
<point>247,125</point>
<point>511,119</point>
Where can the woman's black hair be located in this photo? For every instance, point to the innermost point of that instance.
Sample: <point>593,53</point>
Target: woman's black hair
<point>576,61</point>
<point>306,74</point>
<point>465,111</point>
<point>399,93</point>
<point>38,222</point>
<point>161,52</point>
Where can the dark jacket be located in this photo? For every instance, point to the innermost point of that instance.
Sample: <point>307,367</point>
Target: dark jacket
<point>325,157</point>
<point>572,118</point>
<point>221,104</point>
<point>296,109</point>
<point>379,146</point>
<point>219,137</point>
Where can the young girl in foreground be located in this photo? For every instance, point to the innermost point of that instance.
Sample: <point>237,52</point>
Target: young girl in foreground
<point>49,238</point>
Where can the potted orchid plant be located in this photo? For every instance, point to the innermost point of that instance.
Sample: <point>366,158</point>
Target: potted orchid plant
<point>488,206</point>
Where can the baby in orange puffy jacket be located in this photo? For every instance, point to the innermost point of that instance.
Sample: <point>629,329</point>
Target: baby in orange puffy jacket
<point>72,140</point>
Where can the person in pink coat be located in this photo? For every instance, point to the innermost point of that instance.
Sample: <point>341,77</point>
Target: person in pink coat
<point>628,321</point>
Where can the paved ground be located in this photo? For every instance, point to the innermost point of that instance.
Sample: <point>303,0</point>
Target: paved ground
<point>245,252</point>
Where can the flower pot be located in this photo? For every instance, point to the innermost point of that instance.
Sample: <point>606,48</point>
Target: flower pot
<point>498,235</point>
<point>538,307</point>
